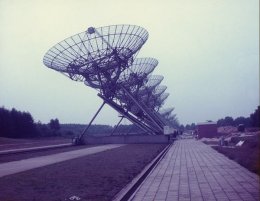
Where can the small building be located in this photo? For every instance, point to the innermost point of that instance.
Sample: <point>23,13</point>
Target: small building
<point>207,129</point>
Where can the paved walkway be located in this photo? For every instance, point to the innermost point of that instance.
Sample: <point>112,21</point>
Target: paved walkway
<point>31,163</point>
<point>192,170</point>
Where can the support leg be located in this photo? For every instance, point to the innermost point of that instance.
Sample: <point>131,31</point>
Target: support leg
<point>80,139</point>
<point>117,125</point>
<point>144,110</point>
<point>140,124</point>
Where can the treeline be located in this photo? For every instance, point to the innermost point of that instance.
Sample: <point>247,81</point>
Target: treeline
<point>251,121</point>
<point>17,124</point>
<point>77,129</point>
<point>97,129</point>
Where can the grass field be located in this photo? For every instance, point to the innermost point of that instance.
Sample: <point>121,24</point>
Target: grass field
<point>25,155</point>
<point>95,177</point>
<point>9,143</point>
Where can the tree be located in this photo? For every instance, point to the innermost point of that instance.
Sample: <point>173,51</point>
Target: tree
<point>242,120</point>
<point>181,127</point>
<point>252,121</point>
<point>228,121</point>
<point>187,127</point>
<point>43,130</point>
<point>54,125</point>
<point>255,118</point>
<point>193,126</point>
<point>16,124</point>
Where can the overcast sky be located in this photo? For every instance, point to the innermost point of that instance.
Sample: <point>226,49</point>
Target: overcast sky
<point>207,52</point>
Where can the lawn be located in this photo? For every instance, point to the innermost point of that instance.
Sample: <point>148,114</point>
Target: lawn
<point>95,177</point>
<point>9,143</point>
<point>36,153</point>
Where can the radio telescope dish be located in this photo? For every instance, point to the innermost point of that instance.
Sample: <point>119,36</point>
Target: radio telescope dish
<point>151,83</point>
<point>104,59</point>
<point>135,76</point>
<point>150,98</point>
<point>98,55</point>
<point>163,97</point>
<point>166,111</point>
<point>159,90</point>
<point>154,92</point>
<point>141,95</point>
<point>138,71</point>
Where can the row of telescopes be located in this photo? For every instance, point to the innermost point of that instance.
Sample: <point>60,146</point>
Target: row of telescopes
<point>105,59</point>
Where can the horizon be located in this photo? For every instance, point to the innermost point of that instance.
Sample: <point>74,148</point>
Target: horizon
<point>83,124</point>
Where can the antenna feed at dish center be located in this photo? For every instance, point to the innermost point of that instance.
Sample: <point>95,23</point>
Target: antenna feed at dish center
<point>91,30</point>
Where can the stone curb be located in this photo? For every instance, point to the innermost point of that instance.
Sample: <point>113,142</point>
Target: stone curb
<point>127,192</point>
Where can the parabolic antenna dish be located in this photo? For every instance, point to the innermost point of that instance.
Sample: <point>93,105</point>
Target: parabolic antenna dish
<point>158,101</point>
<point>166,111</point>
<point>135,76</point>
<point>98,55</point>
<point>158,90</point>
<point>171,117</point>
<point>138,71</point>
<point>151,96</point>
<point>147,97</point>
<point>163,97</point>
<point>153,81</point>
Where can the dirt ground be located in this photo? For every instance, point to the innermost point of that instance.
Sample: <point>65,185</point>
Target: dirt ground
<point>96,177</point>
<point>248,155</point>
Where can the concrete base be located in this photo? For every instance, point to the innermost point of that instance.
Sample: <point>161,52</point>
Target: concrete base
<point>127,139</point>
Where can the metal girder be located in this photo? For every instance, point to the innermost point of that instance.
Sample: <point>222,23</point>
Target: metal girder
<point>130,117</point>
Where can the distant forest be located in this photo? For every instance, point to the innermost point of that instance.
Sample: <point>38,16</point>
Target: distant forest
<point>251,121</point>
<point>17,124</point>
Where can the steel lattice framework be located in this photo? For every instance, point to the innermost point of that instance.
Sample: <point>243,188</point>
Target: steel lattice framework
<point>166,111</point>
<point>97,56</point>
<point>168,117</point>
<point>139,92</point>
<point>104,58</point>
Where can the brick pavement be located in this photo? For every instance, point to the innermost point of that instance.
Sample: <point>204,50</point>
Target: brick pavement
<point>192,170</point>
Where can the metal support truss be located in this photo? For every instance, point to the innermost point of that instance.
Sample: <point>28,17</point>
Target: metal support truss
<point>158,117</point>
<point>141,125</point>
<point>117,125</point>
<point>91,121</point>
<point>143,108</point>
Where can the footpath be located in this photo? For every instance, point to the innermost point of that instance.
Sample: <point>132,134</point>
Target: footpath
<point>191,171</point>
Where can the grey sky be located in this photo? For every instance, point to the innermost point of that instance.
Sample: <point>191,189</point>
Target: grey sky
<point>207,51</point>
